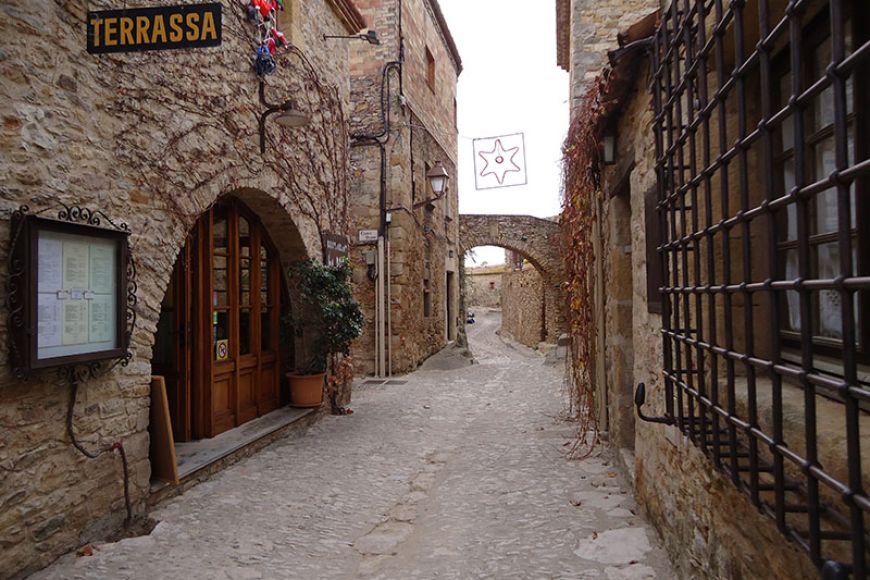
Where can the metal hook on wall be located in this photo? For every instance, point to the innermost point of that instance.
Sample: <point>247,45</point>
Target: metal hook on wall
<point>640,399</point>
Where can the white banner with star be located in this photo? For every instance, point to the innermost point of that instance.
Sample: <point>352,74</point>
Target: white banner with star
<point>499,161</point>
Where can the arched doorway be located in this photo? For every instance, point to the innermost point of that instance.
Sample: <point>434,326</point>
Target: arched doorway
<point>505,281</point>
<point>217,342</point>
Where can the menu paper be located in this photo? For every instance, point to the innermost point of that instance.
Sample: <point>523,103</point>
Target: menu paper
<point>75,265</point>
<point>50,254</point>
<point>49,314</point>
<point>100,318</point>
<point>75,322</point>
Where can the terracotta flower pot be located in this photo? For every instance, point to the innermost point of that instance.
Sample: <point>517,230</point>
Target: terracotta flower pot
<point>306,390</point>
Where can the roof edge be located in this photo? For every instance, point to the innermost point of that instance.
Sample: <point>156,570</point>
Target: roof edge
<point>563,34</point>
<point>349,15</point>
<point>445,33</point>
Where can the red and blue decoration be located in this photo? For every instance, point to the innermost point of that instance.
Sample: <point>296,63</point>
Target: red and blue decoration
<point>264,13</point>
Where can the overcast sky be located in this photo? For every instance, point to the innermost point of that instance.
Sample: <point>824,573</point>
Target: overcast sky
<point>510,83</point>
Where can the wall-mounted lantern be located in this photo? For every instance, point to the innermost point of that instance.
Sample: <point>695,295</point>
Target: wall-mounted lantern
<point>438,178</point>
<point>287,114</point>
<point>608,147</point>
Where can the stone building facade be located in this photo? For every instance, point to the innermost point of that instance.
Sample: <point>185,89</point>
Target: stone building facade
<point>733,377</point>
<point>403,123</point>
<point>156,140</point>
<point>483,286</point>
<point>523,301</point>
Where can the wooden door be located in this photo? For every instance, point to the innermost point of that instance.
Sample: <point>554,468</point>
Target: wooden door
<point>224,323</point>
<point>236,308</point>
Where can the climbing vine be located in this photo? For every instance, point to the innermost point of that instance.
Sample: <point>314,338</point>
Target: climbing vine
<point>581,191</point>
<point>190,122</point>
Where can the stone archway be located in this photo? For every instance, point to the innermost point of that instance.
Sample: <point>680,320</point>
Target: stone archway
<point>537,240</point>
<point>219,343</point>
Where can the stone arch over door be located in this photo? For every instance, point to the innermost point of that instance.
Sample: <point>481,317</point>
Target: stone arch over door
<point>537,240</point>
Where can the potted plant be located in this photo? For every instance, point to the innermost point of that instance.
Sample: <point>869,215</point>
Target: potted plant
<point>327,307</point>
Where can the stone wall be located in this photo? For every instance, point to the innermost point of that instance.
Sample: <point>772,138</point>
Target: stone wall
<point>484,287</point>
<point>587,29</point>
<point>523,308</point>
<point>151,139</point>
<point>422,234</point>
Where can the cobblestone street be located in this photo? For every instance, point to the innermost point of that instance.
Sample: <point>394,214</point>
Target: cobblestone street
<point>459,473</point>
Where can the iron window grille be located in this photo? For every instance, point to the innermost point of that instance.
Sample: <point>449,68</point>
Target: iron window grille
<point>763,174</point>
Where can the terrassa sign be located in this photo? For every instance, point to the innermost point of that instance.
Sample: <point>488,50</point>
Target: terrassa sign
<point>156,28</point>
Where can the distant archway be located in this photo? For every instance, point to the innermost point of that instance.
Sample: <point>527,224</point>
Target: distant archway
<point>534,238</point>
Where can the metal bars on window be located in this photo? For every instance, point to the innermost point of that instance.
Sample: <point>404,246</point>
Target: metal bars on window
<point>763,170</point>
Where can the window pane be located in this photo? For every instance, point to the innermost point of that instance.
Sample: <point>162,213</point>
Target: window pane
<point>265,330</point>
<point>793,320</point>
<point>788,228</point>
<point>244,282</point>
<point>219,232</point>
<point>823,104</point>
<point>786,130</point>
<point>830,322</point>
<point>219,275</point>
<point>244,237</point>
<point>825,219</point>
<point>221,331</point>
<point>244,331</point>
<point>265,290</point>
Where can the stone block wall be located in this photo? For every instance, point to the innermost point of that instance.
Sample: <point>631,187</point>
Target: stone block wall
<point>523,308</point>
<point>151,139</point>
<point>484,288</point>
<point>587,30</point>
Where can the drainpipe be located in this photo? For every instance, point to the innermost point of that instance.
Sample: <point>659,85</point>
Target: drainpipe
<point>389,307</point>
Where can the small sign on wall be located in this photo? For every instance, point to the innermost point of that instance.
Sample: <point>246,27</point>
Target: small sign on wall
<point>335,248</point>
<point>368,236</point>
<point>155,28</point>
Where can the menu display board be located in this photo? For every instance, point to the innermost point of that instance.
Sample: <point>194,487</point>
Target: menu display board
<point>77,294</point>
<point>73,294</point>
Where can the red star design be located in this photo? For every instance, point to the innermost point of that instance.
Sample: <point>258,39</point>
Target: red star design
<point>499,161</point>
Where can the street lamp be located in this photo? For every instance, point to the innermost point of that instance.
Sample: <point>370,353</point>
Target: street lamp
<point>371,37</point>
<point>438,179</point>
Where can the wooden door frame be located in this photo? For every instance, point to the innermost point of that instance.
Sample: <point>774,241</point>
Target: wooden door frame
<point>200,290</point>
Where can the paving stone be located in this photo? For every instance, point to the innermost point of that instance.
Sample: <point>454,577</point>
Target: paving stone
<point>388,493</point>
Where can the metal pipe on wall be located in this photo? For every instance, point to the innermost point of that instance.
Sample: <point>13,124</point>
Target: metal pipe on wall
<point>389,307</point>
<point>380,308</point>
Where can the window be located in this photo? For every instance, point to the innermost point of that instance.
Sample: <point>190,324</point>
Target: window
<point>430,69</point>
<point>818,144</point>
<point>762,165</point>
<point>427,278</point>
<point>652,230</point>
